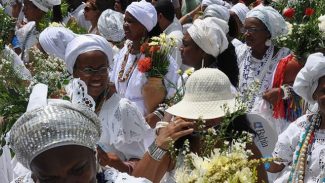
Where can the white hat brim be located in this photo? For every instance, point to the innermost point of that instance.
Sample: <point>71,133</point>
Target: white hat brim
<point>204,110</point>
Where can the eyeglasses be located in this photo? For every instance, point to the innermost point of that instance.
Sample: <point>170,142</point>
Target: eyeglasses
<point>87,8</point>
<point>251,30</point>
<point>88,71</point>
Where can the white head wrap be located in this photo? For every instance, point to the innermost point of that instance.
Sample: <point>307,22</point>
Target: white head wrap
<point>218,2</point>
<point>110,25</point>
<point>217,11</point>
<point>144,12</point>
<point>54,40</point>
<point>307,79</point>
<point>45,5</point>
<point>240,9</point>
<point>271,18</point>
<point>85,43</point>
<point>210,35</point>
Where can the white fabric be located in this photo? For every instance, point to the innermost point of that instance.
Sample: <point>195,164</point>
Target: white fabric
<point>45,5</point>
<point>218,11</point>
<point>123,128</point>
<point>287,144</point>
<point>54,40</point>
<point>240,9</point>
<point>254,67</point>
<point>111,175</point>
<point>219,2</point>
<point>175,30</point>
<point>210,35</point>
<point>85,43</point>
<point>131,89</point>
<point>38,97</point>
<point>78,15</point>
<point>307,79</point>
<point>236,42</point>
<point>144,12</point>
<point>110,25</point>
<point>271,18</point>
<point>207,90</point>
<point>6,170</point>
<point>27,37</point>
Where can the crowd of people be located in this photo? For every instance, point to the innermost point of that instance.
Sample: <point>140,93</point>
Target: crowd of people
<point>223,53</point>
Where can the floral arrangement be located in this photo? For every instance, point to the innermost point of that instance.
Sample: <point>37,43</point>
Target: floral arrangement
<point>44,69</point>
<point>231,166</point>
<point>306,34</point>
<point>156,60</point>
<point>7,27</point>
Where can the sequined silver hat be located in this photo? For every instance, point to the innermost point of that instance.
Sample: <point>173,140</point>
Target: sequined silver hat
<point>54,125</point>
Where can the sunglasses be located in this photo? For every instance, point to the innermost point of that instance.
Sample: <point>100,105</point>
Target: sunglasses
<point>87,8</point>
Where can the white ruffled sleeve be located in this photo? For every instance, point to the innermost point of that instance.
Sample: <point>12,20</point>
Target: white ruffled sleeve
<point>114,176</point>
<point>171,78</point>
<point>288,141</point>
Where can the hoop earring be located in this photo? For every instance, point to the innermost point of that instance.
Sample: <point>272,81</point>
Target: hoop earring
<point>202,63</point>
<point>268,42</point>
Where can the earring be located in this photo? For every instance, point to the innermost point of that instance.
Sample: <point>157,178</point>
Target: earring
<point>202,66</point>
<point>268,42</point>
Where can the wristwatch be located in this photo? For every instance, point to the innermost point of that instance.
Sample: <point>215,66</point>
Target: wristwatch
<point>155,152</point>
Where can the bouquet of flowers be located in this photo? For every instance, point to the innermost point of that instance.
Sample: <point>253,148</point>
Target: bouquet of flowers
<point>231,166</point>
<point>303,19</point>
<point>156,60</point>
<point>7,28</point>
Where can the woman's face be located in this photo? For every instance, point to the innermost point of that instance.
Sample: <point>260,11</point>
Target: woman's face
<point>255,33</point>
<point>118,6</point>
<point>92,68</point>
<point>133,29</point>
<point>91,13</point>
<point>65,164</point>
<point>191,53</point>
<point>319,94</point>
<point>32,13</point>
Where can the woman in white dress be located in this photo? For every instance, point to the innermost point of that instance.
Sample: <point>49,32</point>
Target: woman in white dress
<point>140,18</point>
<point>300,150</point>
<point>123,126</point>
<point>47,139</point>
<point>258,57</point>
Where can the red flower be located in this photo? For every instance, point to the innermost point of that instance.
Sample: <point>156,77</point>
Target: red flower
<point>154,49</point>
<point>309,11</point>
<point>144,47</point>
<point>289,12</point>
<point>144,64</point>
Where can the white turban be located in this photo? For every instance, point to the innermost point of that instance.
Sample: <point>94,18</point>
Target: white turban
<point>210,35</point>
<point>85,43</point>
<point>271,18</point>
<point>218,2</point>
<point>307,79</point>
<point>217,11</point>
<point>45,5</point>
<point>240,9</point>
<point>54,40</point>
<point>110,25</point>
<point>144,12</point>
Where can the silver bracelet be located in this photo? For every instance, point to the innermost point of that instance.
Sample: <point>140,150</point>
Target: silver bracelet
<point>155,152</point>
<point>159,115</point>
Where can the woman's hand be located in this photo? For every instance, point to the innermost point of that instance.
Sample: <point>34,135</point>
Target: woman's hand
<point>173,131</point>
<point>107,158</point>
<point>273,95</point>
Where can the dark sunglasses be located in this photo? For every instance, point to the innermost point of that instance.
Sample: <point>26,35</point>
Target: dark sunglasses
<point>89,8</point>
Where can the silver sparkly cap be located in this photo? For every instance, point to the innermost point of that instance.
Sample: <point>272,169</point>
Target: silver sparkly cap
<point>54,125</point>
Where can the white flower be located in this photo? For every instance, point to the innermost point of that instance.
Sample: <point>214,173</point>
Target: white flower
<point>290,26</point>
<point>321,25</point>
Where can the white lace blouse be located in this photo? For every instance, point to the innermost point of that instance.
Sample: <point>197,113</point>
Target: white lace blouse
<point>111,176</point>
<point>131,88</point>
<point>287,144</point>
<point>123,128</point>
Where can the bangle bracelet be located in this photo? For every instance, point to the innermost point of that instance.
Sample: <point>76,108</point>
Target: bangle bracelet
<point>156,152</point>
<point>160,124</point>
<point>159,115</point>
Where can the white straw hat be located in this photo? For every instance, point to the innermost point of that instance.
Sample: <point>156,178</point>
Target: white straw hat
<point>207,90</point>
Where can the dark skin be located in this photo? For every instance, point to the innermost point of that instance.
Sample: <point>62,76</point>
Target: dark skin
<point>319,97</point>
<point>61,165</point>
<point>32,13</point>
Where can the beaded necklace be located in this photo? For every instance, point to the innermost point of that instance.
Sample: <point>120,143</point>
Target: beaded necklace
<point>304,149</point>
<point>122,76</point>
